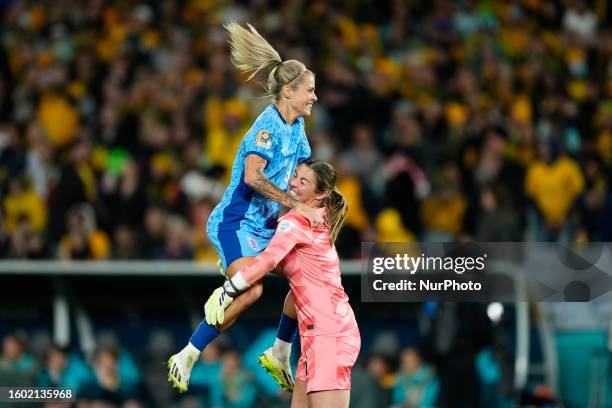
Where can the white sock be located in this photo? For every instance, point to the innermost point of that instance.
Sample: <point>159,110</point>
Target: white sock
<point>282,349</point>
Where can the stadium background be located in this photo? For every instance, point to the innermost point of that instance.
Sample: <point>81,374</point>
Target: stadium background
<point>446,120</point>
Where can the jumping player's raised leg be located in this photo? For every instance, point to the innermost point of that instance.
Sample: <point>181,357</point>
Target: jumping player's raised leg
<point>245,300</point>
<point>180,364</point>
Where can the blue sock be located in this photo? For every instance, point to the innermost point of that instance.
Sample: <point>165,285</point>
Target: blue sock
<point>287,329</point>
<point>203,335</point>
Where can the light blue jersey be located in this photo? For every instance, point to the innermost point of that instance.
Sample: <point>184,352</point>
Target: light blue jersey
<point>283,146</point>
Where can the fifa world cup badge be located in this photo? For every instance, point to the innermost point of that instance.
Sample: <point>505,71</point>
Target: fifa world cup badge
<point>264,139</point>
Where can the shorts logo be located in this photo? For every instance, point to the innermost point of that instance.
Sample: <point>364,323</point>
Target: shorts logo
<point>285,226</point>
<point>252,243</point>
<point>264,139</point>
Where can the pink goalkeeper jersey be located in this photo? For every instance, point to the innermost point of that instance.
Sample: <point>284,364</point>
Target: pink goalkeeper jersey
<point>310,262</point>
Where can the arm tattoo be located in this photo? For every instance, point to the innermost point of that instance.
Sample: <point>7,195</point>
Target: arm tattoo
<point>266,188</point>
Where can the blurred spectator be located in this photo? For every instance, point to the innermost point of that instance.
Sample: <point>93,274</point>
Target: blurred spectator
<point>406,186</point>
<point>416,384</point>
<point>126,244</point>
<point>442,213</point>
<point>364,388</point>
<point>390,228</point>
<point>154,232</point>
<point>237,384</point>
<point>12,153</point>
<point>63,370</point>
<point>490,374</point>
<point>83,239</point>
<point>76,185</point>
<point>204,249</point>
<point>23,204</point>
<point>108,387</point>
<point>357,222</point>
<point>178,240</point>
<point>381,368</point>
<point>39,160</point>
<point>25,218</point>
<point>457,334</point>
<point>128,370</point>
<point>27,243</point>
<point>494,219</point>
<point>364,161</point>
<point>122,192</point>
<point>595,207</point>
<point>17,366</point>
<point>553,182</point>
<point>580,21</point>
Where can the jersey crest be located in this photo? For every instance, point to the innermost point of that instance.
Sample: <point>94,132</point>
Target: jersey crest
<point>285,226</point>
<point>264,139</point>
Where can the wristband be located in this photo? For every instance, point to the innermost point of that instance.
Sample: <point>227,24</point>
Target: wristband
<point>229,288</point>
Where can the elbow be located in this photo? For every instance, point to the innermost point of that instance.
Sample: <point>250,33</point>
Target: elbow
<point>250,178</point>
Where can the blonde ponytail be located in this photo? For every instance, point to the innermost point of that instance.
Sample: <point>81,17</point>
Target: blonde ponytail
<point>251,53</point>
<point>337,208</point>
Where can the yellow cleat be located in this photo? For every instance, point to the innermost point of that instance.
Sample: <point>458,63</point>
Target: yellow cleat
<point>279,370</point>
<point>178,375</point>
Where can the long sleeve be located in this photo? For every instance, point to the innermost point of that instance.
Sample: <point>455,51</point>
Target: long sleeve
<point>292,230</point>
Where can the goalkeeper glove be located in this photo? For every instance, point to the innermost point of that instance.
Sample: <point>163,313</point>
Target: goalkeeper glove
<point>215,306</point>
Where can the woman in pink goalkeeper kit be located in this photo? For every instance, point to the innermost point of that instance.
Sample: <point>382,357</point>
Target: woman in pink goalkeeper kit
<point>307,257</point>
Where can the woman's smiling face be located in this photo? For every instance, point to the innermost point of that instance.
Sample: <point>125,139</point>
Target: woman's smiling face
<point>303,186</point>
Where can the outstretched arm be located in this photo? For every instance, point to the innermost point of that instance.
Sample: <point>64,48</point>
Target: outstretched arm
<point>291,231</point>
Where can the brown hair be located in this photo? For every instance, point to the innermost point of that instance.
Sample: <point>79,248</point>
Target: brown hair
<point>251,53</point>
<point>335,202</point>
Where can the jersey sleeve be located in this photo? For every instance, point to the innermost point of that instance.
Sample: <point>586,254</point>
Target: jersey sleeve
<point>304,152</point>
<point>292,230</point>
<point>262,139</point>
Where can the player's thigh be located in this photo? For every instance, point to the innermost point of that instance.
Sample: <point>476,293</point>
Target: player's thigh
<point>238,264</point>
<point>255,291</point>
<point>232,246</point>
<point>299,399</point>
<point>332,398</point>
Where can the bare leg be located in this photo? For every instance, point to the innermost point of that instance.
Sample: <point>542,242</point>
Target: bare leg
<point>333,398</point>
<point>289,306</point>
<point>299,399</point>
<point>246,298</point>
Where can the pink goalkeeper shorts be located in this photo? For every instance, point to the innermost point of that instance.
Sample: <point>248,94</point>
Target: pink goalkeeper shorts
<point>326,361</point>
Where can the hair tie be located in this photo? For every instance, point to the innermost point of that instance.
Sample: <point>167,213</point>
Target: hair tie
<point>278,63</point>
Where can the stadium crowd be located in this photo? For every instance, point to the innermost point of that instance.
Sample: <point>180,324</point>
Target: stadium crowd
<point>446,120</point>
<point>224,377</point>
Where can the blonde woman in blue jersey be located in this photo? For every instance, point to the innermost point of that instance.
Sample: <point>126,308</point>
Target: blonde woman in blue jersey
<point>244,221</point>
